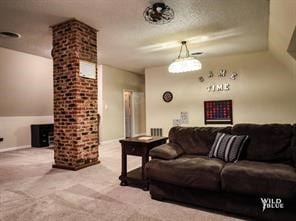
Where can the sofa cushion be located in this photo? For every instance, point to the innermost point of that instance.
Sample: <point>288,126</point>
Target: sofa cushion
<point>187,171</point>
<point>259,178</point>
<point>196,140</point>
<point>268,142</point>
<point>227,147</point>
<point>166,151</point>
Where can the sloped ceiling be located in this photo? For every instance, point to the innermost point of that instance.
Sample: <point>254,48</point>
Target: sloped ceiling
<point>282,23</point>
<point>126,41</point>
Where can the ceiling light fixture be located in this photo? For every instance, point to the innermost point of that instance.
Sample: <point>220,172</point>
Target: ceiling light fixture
<point>159,13</point>
<point>184,64</point>
<point>7,34</point>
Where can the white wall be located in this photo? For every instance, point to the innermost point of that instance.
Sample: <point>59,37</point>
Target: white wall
<point>26,84</point>
<point>282,23</point>
<point>264,91</point>
<point>16,130</point>
<point>26,95</point>
<point>114,82</point>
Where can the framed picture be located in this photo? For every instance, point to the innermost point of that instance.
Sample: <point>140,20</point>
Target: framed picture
<point>87,69</point>
<point>218,112</point>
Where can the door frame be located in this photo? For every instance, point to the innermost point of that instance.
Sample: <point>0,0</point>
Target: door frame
<point>132,112</point>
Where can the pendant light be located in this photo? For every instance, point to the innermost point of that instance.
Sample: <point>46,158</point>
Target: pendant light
<point>184,64</point>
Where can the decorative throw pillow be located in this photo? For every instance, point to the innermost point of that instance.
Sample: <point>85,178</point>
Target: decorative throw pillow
<point>227,147</point>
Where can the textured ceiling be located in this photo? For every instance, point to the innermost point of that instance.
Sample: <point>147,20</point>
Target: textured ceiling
<point>126,41</point>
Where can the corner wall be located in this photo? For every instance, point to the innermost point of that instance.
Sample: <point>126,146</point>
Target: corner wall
<point>26,95</point>
<point>264,91</point>
<point>114,82</point>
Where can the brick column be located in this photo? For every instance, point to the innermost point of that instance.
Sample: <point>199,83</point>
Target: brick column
<point>75,97</point>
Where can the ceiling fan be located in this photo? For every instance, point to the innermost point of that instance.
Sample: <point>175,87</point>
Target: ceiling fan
<point>196,53</point>
<point>159,13</point>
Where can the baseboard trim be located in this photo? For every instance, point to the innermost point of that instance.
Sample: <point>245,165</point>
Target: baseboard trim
<point>114,141</point>
<point>74,168</point>
<point>14,148</point>
<point>141,134</point>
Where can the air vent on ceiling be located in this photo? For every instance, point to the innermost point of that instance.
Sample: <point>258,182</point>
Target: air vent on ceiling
<point>7,34</point>
<point>196,53</point>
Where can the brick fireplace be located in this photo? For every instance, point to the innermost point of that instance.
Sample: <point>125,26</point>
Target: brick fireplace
<point>75,97</point>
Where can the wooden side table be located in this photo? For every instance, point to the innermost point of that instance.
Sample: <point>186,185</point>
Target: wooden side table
<point>138,147</point>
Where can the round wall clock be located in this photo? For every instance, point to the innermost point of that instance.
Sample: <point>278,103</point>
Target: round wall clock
<point>167,96</point>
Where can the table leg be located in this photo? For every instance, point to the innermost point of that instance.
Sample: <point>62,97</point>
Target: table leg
<point>145,159</point>
<point>123,166</point>
<point>143,166</point>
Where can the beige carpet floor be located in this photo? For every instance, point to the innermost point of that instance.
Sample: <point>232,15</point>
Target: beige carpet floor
<point>30,189</point>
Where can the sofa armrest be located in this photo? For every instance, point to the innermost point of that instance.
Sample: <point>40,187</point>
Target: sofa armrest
<point>166,151</point>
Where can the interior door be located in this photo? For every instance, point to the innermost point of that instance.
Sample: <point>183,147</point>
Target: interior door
<point>128,114</point>
<point>138,100</point>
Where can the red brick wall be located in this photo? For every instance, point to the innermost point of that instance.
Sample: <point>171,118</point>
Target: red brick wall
<point>75,97</point>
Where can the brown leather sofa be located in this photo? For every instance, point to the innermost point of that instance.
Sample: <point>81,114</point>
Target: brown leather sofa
<point>182,171</point>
